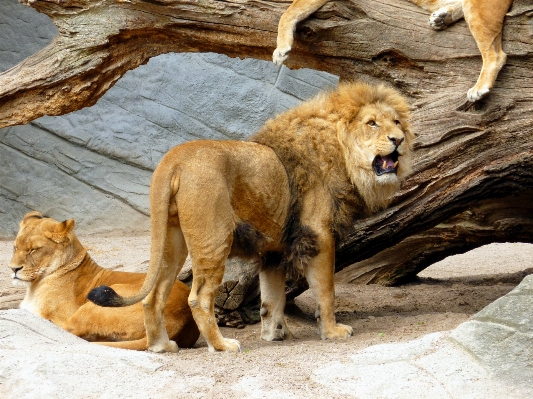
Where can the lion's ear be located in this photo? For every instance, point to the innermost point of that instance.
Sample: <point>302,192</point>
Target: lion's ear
<point>30,215</point>
<point>61,231</point>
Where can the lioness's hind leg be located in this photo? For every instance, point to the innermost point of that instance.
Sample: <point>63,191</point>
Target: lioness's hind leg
<point>154,303</point>
<point>272,285</point>
<point>486,23</point>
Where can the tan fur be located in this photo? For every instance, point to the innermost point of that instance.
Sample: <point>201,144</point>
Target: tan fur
<point>58,274</point>
<point>284,197</point>
<point>484,18</point>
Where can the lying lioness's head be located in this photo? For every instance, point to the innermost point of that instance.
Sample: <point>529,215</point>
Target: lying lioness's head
<point>42,246</point>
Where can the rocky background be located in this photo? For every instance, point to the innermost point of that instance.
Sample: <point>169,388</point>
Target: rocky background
<point>95,164</point>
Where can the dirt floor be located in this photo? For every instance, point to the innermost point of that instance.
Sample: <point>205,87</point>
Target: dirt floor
<point>445,295</point>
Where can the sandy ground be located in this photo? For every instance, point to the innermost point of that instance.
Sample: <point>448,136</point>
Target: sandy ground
<point>445,295</point>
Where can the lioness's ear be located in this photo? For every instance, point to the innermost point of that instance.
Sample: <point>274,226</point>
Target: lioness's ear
<point>61,231</point>
<point>30,215</point>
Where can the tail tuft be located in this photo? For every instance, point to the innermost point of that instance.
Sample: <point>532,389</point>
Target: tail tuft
<point>105,296</point>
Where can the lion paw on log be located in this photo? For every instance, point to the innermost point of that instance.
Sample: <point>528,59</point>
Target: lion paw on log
<point>284,197</point>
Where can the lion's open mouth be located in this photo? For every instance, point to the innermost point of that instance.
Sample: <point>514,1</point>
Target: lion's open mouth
<point>386,163</point>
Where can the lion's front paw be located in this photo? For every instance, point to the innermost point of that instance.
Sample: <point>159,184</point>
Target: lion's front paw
<point>475,93</point>
<point>169,346</point>
<point>226,344</point>
<point>440,19</point>
<point>339,331</point>
<point>280,55</point>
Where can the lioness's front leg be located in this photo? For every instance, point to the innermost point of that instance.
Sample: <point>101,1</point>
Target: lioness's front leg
<point>319,275</point>
<point>272,285</point>
<point>297,11</point>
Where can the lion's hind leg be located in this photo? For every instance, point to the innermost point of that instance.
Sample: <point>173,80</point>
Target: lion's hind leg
<point>174,256</point>
<point>207,276</point>
<point>272,285</point>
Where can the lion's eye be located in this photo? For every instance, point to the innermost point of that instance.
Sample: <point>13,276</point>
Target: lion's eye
<point>397,122</point>
<point>372,123</point>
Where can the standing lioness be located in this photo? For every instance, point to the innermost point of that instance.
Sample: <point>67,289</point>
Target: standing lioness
<point>58,273</point>
<point>283,197</point>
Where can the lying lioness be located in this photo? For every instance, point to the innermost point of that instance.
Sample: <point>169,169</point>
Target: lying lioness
<point>58,274</point>
<point>484,18</point>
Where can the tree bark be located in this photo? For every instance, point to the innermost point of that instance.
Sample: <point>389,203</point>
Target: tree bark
<point>473,177</point>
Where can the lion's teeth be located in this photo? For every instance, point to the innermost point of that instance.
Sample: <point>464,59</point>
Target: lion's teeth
<point>395,164</point>
<point>384,166</point>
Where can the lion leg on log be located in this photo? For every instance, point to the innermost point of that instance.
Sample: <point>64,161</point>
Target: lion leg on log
<point>443,12</point>
<point>272,286</point>
<point>297,11</point>
<point>173,259</point>
<point>486,23</point>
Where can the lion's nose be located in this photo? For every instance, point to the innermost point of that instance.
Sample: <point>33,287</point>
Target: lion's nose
<point>395,141</point>
<point>15,269</point>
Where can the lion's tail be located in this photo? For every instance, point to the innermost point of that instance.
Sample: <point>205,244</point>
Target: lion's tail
<point>159,200</point>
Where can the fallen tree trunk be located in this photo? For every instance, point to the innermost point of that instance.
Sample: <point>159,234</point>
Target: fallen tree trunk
<point>471,159</point>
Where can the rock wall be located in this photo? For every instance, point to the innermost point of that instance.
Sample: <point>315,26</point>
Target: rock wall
<point>95,164</point>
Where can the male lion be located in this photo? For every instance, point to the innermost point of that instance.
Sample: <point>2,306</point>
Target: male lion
<point>58,274</point>
<point>484,18</point>
<point>284,197</point>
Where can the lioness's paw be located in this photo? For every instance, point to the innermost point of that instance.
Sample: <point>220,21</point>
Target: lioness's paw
<point>169,346</point>
<point>280,55</point>
<point>226,344</point>
<point>340,331</point>
<point>476,93</point>
<point>440,19</point>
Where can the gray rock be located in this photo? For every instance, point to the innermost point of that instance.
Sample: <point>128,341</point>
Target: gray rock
<point>489,356</point>
<point>61,365</point>
<point>23,32</point>
<point>501,335</point>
